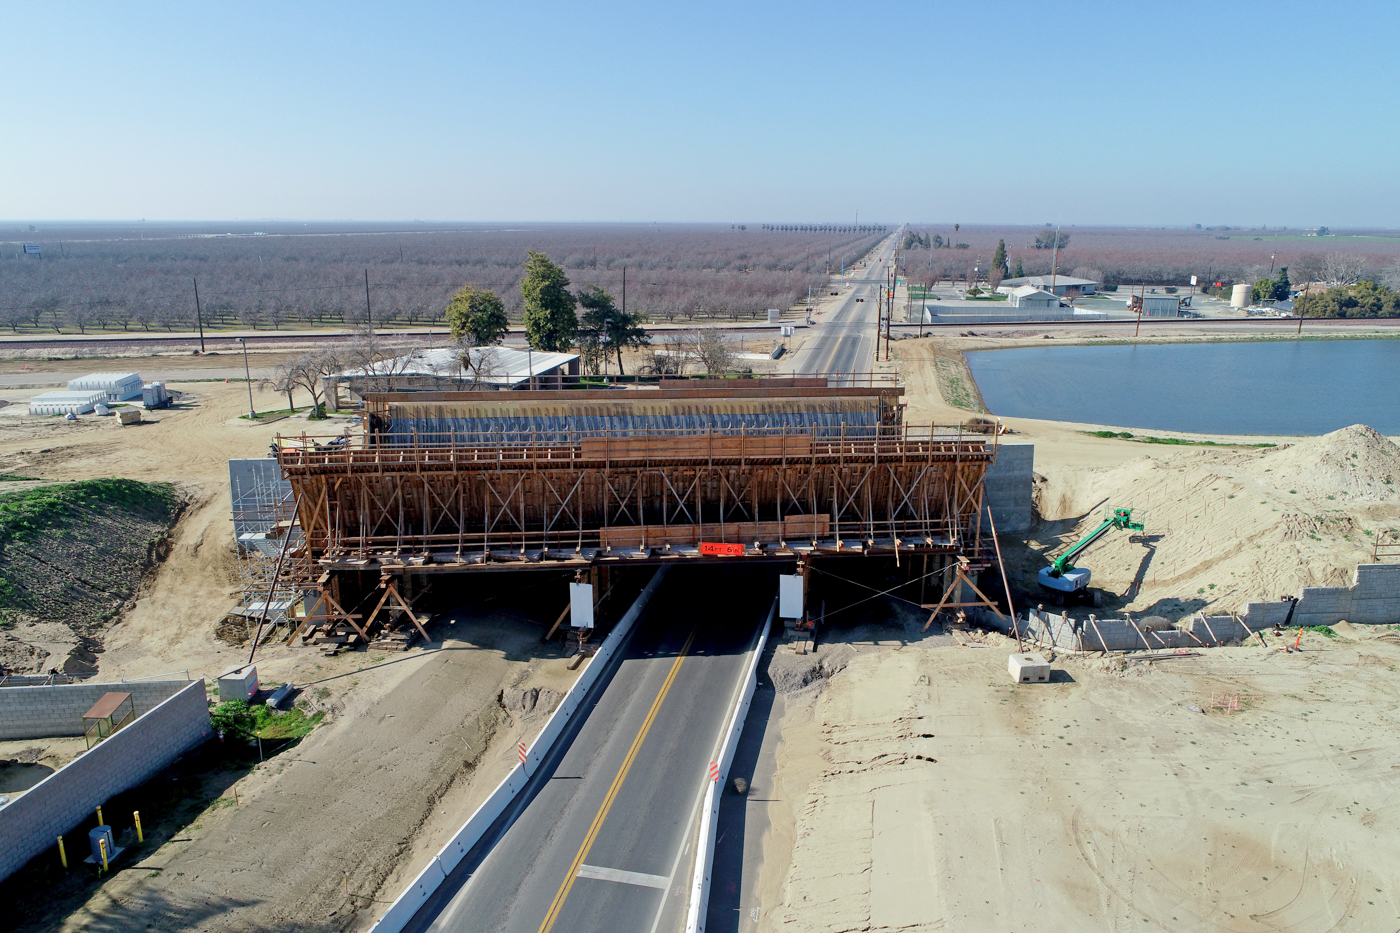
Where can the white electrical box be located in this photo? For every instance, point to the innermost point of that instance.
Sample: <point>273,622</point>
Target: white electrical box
<point>790,596</point>
<point>581,605</point>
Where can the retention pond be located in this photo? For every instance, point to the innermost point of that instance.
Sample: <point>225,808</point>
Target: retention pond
<point>1284,387</point>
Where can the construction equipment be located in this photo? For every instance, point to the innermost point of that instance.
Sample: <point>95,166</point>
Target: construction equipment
<point>1070,583</point>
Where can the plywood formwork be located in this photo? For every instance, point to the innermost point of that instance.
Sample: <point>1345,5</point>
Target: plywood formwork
<point>477,502</point>
<point>590,479</point>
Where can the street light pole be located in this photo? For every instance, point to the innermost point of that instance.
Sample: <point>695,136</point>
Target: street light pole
<point>248,376</point>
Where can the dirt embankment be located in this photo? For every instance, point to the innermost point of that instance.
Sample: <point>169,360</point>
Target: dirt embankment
<point>1224,526</point>
<point>73,556</point>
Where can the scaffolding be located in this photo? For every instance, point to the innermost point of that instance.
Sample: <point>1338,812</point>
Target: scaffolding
<point>265,525</point>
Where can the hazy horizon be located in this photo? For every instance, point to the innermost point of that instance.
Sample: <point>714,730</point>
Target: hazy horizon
<point>1091,114</point>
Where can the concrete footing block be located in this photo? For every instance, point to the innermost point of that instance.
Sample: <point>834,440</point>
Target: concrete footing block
<point>1028,668</point>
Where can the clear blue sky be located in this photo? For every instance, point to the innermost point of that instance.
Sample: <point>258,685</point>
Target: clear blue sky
<point>1119,113</point>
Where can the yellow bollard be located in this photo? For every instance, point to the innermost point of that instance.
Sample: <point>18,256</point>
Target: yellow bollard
<point>100,820</point>
<point>140,837</point>
<point>103,844</point>
<point>62,855</point>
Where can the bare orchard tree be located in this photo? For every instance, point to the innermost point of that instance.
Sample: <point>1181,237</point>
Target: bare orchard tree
<point>675,353</point>
<point>1390,276</point>
<point>480,365</point>
<point>994,279</point>
<point>1343,268</point>
<point>712,351</point>
<point>281,380</point>
<point>309,371</point>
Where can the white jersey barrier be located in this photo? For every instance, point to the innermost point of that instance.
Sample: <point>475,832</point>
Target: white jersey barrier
<point>430,878</point>
<point>709,815</point>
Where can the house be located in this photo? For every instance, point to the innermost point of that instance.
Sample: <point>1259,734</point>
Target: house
<point>447,369</point>
<point>1065,286</point>
<point>1029,297</point>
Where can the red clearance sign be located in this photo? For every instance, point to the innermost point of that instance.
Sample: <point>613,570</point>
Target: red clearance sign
<point>721,550</point>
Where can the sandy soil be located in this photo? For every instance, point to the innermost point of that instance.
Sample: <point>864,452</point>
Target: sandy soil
<point>921,789</point>
<point>326,834</point>
<point>413,742</point>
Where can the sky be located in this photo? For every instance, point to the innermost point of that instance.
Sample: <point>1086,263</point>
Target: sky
<point>1127,113</point>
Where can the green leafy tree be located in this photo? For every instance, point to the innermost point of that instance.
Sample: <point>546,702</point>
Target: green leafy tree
<point>1282,287</point>
<point>605,329</point>
<point>550,321</point>
<point>477,315</point>
<point>999,257</point>
<point>1018,272</point>
<point>1049,238</point>
<point>1362,300</point>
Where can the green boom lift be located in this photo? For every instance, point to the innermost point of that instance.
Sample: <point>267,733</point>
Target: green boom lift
<point>1066,580</point>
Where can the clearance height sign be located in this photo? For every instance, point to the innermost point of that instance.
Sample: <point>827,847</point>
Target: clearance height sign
<point>716,549</point>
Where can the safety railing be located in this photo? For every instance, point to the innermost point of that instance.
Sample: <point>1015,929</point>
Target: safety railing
<point>471,449</point>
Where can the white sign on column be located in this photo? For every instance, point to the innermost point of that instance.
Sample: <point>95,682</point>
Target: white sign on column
<point>581,605</point>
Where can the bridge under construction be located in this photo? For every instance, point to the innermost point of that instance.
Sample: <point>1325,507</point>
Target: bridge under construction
<point>787,469</point>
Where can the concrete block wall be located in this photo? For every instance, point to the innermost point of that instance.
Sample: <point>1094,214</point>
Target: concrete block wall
<point>45,712</point>
<point>1372,599</point>
<point>1068,633</point>
<point>31,823</point>
<point>1008,485</point>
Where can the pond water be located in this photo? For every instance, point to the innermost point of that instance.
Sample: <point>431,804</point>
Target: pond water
<point>1282,387</point>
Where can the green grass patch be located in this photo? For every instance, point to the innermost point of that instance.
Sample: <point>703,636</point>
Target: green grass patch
<point>1170,441</point>
<point>239,720</point>
<point>1321,630</point>
<point>28,514</point>
<point>956,386</point>
<point>16,478</point>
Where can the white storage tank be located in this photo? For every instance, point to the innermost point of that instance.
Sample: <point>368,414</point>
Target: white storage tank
<point>1239,295</point>
<point>118,386</point>
<point>65,403</point>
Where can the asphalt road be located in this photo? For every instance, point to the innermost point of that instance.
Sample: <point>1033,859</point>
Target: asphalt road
<point>845,340</point>
<point>603,837</point>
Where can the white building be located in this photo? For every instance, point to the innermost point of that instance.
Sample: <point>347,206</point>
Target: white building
<point>1065,286</point>
<point>1029,297</point>
<point>446,369</point>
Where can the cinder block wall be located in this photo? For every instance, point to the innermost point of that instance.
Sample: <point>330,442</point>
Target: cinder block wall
<point>45,712</point>
<point>53,807</point>
<point>1372,599</point>
<point>1008,484</point>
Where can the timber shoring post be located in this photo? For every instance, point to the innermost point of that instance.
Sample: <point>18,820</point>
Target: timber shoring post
<point>1005,586</point>
<point>281,556</point>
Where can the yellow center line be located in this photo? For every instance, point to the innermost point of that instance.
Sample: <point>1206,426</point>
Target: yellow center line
<point>563,894</point>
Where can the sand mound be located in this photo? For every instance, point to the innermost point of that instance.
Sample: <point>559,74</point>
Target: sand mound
<point>1357,463</point>
<point>1224,526</point>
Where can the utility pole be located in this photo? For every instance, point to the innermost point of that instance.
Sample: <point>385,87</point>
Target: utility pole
<point>199,315</point>
<point>369,316</point>
<point>1055,264</point>
<point>248,376</point>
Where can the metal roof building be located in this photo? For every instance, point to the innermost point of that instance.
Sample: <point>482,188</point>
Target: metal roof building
<point>1062,285</point>
<point>446,369</point>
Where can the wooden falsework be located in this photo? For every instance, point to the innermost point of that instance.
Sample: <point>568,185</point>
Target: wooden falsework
<point>471,504</point>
